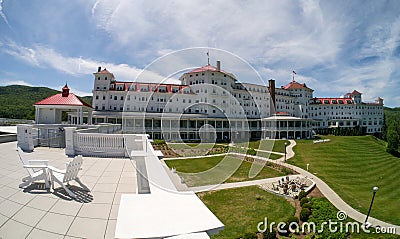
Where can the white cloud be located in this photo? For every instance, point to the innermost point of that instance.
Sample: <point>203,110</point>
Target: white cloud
<point>272,30</point>
<point>5,82</point>
<point>41,56</point>
<point>3,15</point>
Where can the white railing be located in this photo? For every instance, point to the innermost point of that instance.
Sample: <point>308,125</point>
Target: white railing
<point>99,145</point>
<point>105,145</point>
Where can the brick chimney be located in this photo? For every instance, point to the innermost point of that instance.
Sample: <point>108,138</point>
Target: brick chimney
<point>271,88</point>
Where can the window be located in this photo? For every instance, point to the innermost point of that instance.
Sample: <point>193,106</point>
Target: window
<point>104,97</point>
<point>97,97</point>
<point>105,78</point>
<point>122,98</point>
<point>115,97</point>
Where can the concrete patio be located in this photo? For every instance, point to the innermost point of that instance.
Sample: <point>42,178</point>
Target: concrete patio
<point>35,212</point>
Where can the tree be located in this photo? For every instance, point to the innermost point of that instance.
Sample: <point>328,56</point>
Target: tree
<point>392,137</point>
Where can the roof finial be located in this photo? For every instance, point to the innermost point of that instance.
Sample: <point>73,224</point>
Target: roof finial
<point>208,57</point>
<point>293,73</point>
<point>65,90</point>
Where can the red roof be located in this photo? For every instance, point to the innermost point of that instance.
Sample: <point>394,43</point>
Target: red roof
<point>204,68</point>
<point>355,92</point>
<point>295,85</point>
<point>64,98</point>
<point>333,101</point>
<point>105,71</point>
<point>282,113</point>
<point>154,87</point>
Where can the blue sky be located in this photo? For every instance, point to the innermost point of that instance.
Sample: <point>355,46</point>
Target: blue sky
<point>334,46</point>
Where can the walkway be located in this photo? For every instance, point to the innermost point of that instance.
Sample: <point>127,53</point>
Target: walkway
<point>238,184</point>
<point>331,195</point>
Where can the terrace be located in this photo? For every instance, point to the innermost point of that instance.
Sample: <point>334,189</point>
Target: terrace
<point>128,192</point>
<point>36,213</point>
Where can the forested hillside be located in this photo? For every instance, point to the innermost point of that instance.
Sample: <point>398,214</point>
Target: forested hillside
<point>16,101</point>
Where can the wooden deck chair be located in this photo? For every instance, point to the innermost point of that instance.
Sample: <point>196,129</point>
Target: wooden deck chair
<point>37,170</point>
<point>63,177</point>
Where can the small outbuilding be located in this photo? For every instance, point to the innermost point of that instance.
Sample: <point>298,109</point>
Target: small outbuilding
<point>50,110</point>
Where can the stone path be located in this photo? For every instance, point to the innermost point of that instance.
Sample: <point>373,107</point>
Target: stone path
<point>331,195</point>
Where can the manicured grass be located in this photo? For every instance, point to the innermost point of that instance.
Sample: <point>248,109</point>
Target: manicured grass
<point>269,155</point>
<point>191,145</point>
<point>241,209</point>
<point>352,166</point>
<point>268,145</point>
<point>219,169</point>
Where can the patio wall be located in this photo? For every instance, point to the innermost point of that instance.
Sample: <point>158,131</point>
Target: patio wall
<point>80,142</point>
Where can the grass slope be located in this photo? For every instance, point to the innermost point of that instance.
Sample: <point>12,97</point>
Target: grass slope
<point>241,209</point>
<point>211,170</point>
<point>351,166</point>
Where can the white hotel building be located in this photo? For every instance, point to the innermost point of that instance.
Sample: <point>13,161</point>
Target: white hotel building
<point>211,103</point>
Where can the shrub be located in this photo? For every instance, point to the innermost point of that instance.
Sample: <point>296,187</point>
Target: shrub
<point>269,235</point>
<point>286,171</point>
<point>302,194</point>
<point>307,205</point>
<point>303,201</point>
<point>249,235</point>
<point>305,214</point>
<point>159,142</point>
<point>251,151</point>
<point>286,227</point>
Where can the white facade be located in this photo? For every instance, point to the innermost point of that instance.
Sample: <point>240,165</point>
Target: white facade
<point>211,96</point>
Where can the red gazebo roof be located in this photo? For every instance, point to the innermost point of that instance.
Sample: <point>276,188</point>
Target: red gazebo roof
<point>64,98</point>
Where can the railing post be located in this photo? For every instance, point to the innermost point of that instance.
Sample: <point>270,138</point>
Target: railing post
<point>69,141</point>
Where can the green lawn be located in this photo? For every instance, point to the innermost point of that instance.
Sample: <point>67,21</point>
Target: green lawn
<point>268,145</point>
<point>241,209</point>
<point>219,169</point>
<point>351,166</point>
<point>269,155</point>
<point>191,145</point>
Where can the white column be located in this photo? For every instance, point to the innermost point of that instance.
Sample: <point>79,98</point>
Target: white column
<point>37,115</point>
<point>90,117</point>
<point>69,141</point>
<point>81,116</point>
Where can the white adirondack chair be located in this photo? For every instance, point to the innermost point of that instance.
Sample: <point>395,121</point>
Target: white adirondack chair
<point>37,170</point>
<point>63,177</point>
